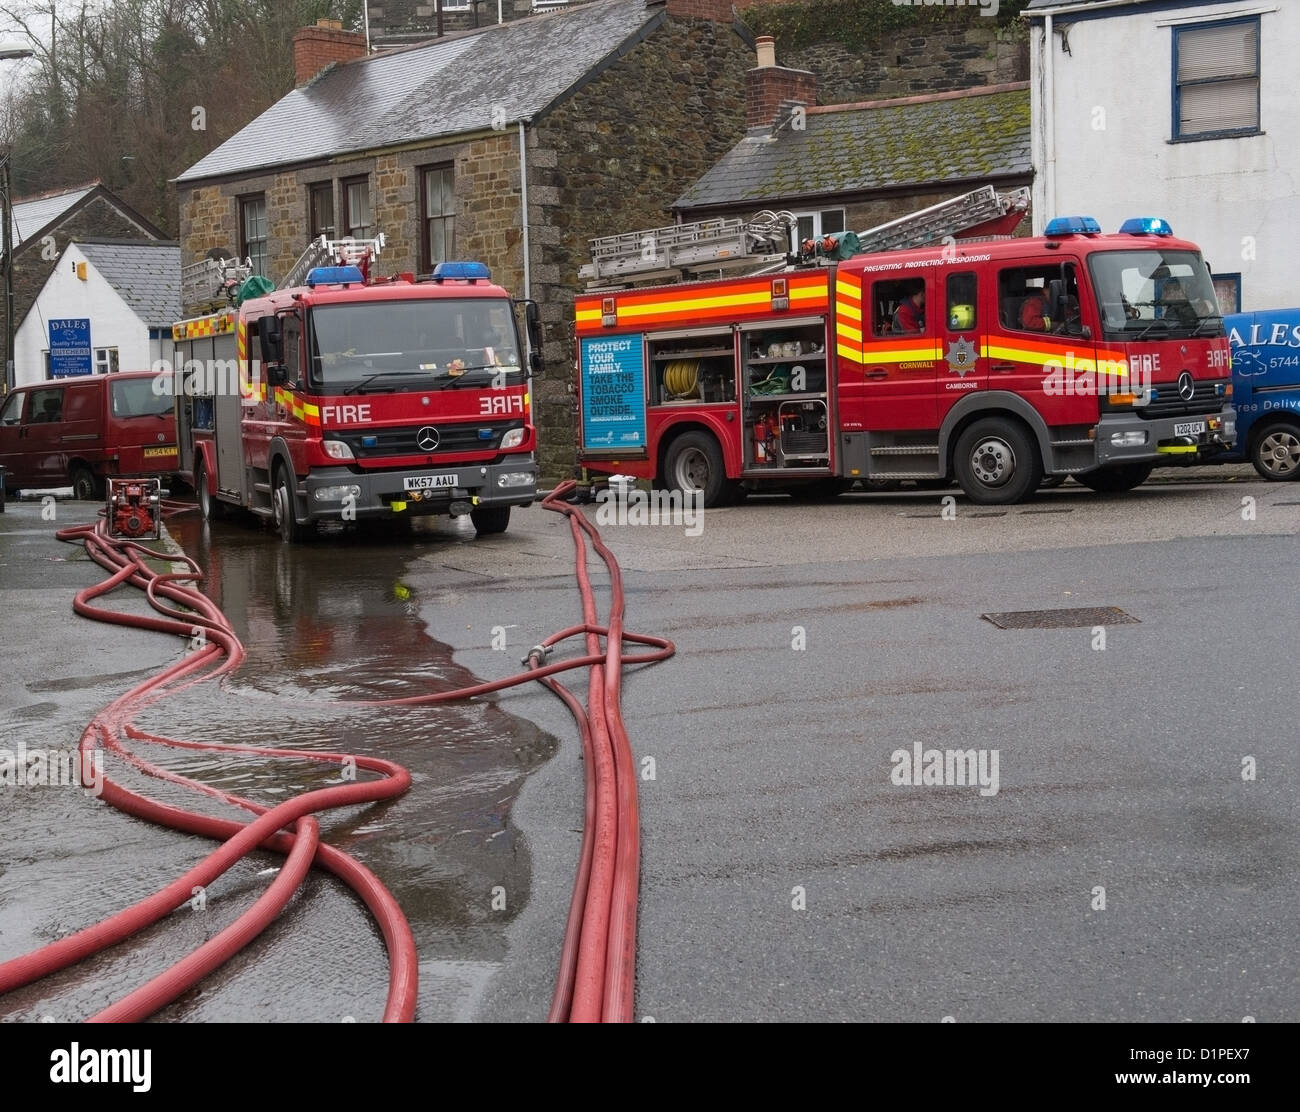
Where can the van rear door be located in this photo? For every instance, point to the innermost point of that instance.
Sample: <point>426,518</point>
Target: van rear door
<point>12,435</point>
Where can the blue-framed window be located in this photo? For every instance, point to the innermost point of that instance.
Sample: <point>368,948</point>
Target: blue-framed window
<point>1227,288</point>
<point>1216,79</point>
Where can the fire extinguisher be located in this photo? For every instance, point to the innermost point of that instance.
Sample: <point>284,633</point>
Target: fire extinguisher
<point>760,441</point>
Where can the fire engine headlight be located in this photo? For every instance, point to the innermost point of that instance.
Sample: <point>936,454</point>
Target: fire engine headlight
<point>336,449</point>
<point>513,438</point>
<point>1134,439</point>
<point>515,479</point>
<point>336,493</point>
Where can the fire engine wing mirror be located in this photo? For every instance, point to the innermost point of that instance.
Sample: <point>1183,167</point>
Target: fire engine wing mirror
<point>272,340</point>
<point>533,322</point>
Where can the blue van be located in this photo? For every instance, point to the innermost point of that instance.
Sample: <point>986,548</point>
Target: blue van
<point>1266,391</point>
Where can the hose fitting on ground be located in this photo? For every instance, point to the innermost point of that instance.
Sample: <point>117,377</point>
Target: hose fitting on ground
<point>538,654</point>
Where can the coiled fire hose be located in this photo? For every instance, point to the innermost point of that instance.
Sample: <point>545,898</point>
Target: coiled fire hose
<point>597,965</point>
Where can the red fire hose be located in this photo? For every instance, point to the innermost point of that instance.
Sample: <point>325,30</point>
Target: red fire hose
<point>597,967</point>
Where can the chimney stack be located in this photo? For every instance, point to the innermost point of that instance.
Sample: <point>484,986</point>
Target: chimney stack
<point>314,48</point>
<point>772,91</point>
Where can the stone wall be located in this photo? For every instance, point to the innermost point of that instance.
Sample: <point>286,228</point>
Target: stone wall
<point>933,59</point>
<point>613,159</point>
<point>34,259</point>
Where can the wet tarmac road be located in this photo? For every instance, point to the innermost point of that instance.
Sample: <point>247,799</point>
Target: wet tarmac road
<point>323,624</point>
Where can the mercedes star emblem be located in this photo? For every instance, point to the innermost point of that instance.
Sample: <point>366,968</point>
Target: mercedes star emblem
<point>1186,387</point>
<point>427,438</point>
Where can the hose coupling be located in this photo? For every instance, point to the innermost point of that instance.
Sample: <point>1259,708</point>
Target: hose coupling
<point>538,653</point>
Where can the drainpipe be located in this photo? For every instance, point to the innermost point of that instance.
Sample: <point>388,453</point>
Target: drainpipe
<point>1049,122</point>
<point>523,200</point>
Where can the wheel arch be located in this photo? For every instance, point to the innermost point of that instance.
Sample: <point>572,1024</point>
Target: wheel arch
<point>994,403</point>
<point>715,429</point>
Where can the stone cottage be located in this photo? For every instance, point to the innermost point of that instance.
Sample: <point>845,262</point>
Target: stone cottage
<point>595,117</point>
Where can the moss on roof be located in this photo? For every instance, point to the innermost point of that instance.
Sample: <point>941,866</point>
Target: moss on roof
<point>858,150</point>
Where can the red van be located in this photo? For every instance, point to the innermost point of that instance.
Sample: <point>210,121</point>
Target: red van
<point>79,431</point>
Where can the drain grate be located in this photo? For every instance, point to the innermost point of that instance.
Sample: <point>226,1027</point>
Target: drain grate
<point>1061,619</point>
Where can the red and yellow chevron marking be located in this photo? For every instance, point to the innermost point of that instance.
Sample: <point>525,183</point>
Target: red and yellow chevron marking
<point>1040,352</point>
<point>900,349</point>
<point>302,411</point>
<point>848,316</point>
<point>214,324</point>
<point>702,303</point>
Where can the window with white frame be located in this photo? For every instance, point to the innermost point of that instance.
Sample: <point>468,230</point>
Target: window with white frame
<point>814,225</point>
<point>105,361</point>
<point>1216,79</point>
<point>252,232</point>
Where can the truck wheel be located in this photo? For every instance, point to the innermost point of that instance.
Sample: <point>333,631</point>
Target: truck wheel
<point>283,510</point>
<point>694,465</point>
<point>1116,480</point>
<point>490,519</point>
<point>997,462</point>
<point>211,508</point>
<point>1275,452</point>
<point>84,486</point>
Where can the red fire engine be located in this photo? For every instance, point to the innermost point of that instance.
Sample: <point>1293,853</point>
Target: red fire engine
<point>994,360</point>
<point>371,399</point>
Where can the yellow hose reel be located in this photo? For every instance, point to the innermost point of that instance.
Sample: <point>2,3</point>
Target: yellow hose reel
<point>682,378</point>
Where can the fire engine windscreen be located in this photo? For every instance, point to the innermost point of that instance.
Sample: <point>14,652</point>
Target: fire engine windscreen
<point>1151,294</point>
<point>373,346</point>
<point>136,397</point>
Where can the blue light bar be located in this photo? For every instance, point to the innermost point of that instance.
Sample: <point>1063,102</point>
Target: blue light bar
<point>334,276</point>
<point>1072,226</point>
<point>463,272</point>
<point>1146,226</point>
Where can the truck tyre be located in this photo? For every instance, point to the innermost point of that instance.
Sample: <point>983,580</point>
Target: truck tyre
<point>84,486</point>
<point>694,464</point>
<point>996,461</point>
<point>283,508</point>
<point>1116,480</point>
<point>1275,452</point>
<point>209,507</point>
<point>490,519</point>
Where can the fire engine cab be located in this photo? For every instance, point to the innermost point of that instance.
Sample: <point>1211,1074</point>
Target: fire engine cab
<point>990,359</point>
<point>348,398</point>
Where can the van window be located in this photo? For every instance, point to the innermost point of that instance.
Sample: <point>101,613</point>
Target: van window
<point>962,301</point>
<point>136,397</point>
<point>81,402</point>
<point>44,407</point>
<point>897,309</point>
<point>13,410</point>
<point>1042,299</point>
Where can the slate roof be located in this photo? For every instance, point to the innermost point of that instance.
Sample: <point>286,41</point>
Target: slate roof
<point>515,70</point>
<point>33,213</point>
<point>860,148</point>
<point>146,274</point>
